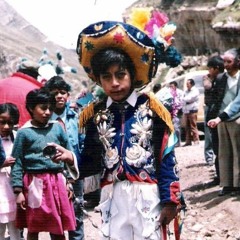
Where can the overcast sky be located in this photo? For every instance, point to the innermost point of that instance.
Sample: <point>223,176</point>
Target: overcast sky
<point>62,20</point>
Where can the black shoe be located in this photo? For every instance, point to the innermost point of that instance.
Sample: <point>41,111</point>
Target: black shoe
<point>235,191</point>
<point>216,180</point>
<point>225,191</point>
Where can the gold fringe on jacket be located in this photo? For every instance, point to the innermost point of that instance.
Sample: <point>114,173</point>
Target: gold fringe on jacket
<point>154,104</point>
<point>160,110</point>
<point>86,114</point>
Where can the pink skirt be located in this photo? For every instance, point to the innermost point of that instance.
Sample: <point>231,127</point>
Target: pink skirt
<point>48,208</point>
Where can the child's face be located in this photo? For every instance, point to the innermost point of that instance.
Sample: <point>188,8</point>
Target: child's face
<point>61,97</point>
<point>213,72</point>
<point>6,124</point>
<point>41,114</point>
<point>116,83</point>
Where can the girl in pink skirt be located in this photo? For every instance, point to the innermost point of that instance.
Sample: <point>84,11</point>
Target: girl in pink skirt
<point>37,175</point>
<point>9,117</point>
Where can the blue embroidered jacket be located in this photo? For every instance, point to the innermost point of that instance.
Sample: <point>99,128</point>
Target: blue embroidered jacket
<point>132,142</point>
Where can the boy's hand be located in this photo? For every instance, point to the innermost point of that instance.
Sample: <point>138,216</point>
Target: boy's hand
<point>168,213</point>
<point>62,154</point>
<point>70,191</point>
<point>21,201</point>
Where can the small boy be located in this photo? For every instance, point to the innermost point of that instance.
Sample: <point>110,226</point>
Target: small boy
<point>68,119</point>
<point>129,135</point>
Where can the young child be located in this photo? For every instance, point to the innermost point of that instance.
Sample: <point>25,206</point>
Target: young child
<point>38,180</point>
<point>69,120</point>
<point>9,116</point>
<point>132,132</point>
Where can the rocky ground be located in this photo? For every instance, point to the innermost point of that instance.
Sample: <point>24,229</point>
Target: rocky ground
<point>208,216</point>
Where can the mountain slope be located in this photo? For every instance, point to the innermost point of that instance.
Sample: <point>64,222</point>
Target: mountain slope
<point>19,39</point>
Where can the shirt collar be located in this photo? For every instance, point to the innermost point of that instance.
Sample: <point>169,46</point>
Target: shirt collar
<point>28,124</point>
<point>236,76</point>
<point>62,116</point>
<point>131,100</point>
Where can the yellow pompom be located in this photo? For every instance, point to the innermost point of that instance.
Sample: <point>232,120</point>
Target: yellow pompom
<point>140,17</point>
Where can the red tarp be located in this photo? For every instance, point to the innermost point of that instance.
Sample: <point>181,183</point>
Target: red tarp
<point>14,89</point>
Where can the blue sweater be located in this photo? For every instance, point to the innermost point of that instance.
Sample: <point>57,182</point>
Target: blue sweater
<point>28,151</point>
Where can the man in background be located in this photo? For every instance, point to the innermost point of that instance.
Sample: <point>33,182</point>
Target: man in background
<point>216,68</point>
<point>190,110</point>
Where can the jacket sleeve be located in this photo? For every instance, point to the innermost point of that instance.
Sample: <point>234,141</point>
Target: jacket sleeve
<point>72,170</point>
<point>168,180</point>
<point>166,164</point>
<point>234,107</point>
<point>17,168</point>
<point>91,154</point>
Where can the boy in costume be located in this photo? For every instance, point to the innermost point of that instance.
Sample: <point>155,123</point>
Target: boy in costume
<point>129,135</point>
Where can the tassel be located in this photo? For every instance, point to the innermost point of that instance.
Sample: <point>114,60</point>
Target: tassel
<point>161,111</point>
<point>86,114</point>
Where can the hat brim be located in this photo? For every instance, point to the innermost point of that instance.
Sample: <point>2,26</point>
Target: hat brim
<point>134,42</point>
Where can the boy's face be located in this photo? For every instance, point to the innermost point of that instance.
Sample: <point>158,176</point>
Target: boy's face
<point>41,114</point>
<point>189,85</point>
<point>61,97</point>
<point>213,72</point>
<point>116,83</point>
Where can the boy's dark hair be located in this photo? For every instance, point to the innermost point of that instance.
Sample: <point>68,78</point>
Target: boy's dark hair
<point>192,82</point>
<point>156,87</point>
<point>39,96</point>
<point>105,58</point>
<point>13,111</point>
<point>174,83</point>
<point>216,62</point>
<point>57,82</point>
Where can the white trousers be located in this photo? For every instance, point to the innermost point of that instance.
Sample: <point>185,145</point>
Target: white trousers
<point>130,211</point>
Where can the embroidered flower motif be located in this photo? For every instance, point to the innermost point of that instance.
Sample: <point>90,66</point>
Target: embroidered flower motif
<point>105,134</point>
<point>136,155</point>
<point>111,157</point>
<point>145,209</point>
<point>142,129</point>
<point>103,120</point>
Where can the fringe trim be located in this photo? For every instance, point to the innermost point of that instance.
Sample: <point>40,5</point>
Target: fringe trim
<point>86,114</point>
<point>161,111</point>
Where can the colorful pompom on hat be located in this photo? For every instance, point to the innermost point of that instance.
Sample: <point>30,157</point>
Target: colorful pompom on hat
<point>110,34</point>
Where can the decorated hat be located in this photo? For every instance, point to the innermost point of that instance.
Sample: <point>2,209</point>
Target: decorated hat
<point>130,39</point>
<point>147,38</point>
